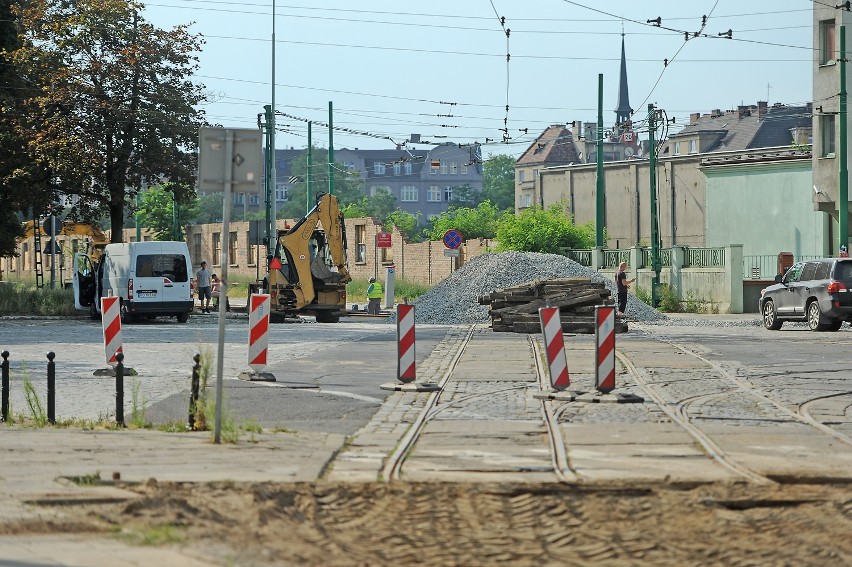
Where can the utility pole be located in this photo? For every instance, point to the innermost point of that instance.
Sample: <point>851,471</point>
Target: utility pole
<point>270,167</point>
<point>273,173</point>
<point>843,190</point>
<point>655,234</point>
<point>309,172</point>
<point>600,186</point>
<point>330,150</point>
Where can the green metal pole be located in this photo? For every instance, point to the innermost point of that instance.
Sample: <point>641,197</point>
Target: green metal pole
<point>174,216</point>
<point>655,235</point>
<point>600,186</point>
<point>138,225</point>
<point>309,173</point>
<point>330,151</point>
<point>270,167</point>
<point>843,195</point>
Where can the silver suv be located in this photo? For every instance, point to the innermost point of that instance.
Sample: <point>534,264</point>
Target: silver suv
<point>816,291</point>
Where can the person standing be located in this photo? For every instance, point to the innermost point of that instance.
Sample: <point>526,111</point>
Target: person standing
<point>203,280</point>
<point>622,284</point>
<point>374,297</point>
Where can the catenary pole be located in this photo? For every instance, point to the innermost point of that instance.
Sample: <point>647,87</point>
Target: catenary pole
<point>330,150</point>
<point>655,234</point>
<point>309,173</point>
<point>600,186</point>
<point>843,188</point>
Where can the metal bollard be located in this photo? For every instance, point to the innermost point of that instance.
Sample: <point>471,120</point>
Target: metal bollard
<point>4,369</point>
<point>193,393</point>
<point>119,389</point>
<point>51,388</point>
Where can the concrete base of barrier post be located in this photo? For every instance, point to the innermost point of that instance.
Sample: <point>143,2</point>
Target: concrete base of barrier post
<point>593,397</point>
<point>410,386</point>
<point>110,372</point>
<point>253,376</point>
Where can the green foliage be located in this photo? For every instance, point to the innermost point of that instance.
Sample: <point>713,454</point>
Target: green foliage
<point>160,212</point>
<point>668,300</point>
<point>209,209</point>
<point>379,206</point>
<point>137,412</point>
<point>356,290</point>
<point>110,104</point>
<point>19,299</point>
<point>34,403</point>
<point>549,230</point>
<point>404,221</point>
<point>498,181</point>
<point>643,295</point>
<point>480,222</point>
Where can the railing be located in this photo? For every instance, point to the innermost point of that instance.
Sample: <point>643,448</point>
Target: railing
<point>765,266</point>
<point>705,257</point>
<point>612,258</point>
<point>582,257</point>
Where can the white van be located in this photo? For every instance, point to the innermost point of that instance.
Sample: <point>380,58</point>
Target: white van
<point>152,278</point>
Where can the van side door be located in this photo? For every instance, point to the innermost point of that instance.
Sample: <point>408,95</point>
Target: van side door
<point>83,280</point>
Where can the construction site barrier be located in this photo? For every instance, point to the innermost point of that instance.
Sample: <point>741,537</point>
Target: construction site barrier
<point>557,362</point>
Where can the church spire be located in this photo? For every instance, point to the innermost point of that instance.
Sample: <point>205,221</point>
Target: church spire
<point>623,110</point>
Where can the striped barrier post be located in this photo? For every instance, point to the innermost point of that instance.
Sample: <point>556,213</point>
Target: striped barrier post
<point>605,348</point>
<point>111,309</point>
<point>557,361</point>
<point>258,331</point>
<point>405,343</point>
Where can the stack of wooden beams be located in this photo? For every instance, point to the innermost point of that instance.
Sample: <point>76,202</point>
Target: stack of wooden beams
<point>515,309</point>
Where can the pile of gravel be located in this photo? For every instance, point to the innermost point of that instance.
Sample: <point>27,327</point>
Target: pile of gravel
<point>454,300</point>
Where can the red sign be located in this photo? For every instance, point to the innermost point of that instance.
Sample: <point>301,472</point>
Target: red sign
<point>383,240</point>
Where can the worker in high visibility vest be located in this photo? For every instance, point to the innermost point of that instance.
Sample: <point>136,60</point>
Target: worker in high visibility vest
<point>374,295</point>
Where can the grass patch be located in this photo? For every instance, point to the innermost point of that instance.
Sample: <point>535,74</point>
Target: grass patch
<point>165,534</point>
<point>21,299</point>
<point>137,411</point>
<point>356,290</point>
<point>39,416</point>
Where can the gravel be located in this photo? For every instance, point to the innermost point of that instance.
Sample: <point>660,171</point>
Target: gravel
<point>454,300</point>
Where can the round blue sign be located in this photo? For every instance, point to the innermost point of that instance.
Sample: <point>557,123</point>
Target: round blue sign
<point>452,239</point>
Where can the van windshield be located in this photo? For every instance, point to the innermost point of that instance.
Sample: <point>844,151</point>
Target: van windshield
<point>171,266</point>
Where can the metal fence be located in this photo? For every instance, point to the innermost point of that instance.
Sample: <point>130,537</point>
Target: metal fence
<point>582,257</point>
<point>705,257</point>
<point>765,266</point>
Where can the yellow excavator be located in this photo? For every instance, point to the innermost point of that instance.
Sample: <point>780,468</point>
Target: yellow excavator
<point>308,271</point>
<point>96,239</point>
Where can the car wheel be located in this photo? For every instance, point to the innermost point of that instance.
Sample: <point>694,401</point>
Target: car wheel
<point>770,317</point>
<point>816,322</point>
<point>182,317</point>
<point>126,317</point>
<point>835,325</point>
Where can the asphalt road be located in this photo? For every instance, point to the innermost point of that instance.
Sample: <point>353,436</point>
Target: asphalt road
<point>327,375</point>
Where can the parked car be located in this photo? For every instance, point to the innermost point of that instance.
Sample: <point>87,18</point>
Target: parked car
<point>818,292</point>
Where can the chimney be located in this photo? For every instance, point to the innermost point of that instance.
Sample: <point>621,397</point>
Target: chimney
<point>577,129</point>
<point>761,108</point>
<point>743,111</point>
<point>716,113</point>
<point>693,118</point>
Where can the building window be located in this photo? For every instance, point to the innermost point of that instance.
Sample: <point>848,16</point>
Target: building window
<point>196,246</point>
<point>434,194</point>
<point>386,255</point>
<point>464,169</point>
<point>454,168</point>
<point>826,123</point>
<point>408,168</point>
<point>251,250</point>
<point>448,193</point>
<point>677,148</point>
<point>360,243</point>
<point>443,167</point>
<point>217,249</point>
<point>281,193</point>
<point>378,168</point>
<point>525,201</point>
<point>239,198</point>
<point>397,168</point>
<point>520,176</point>
<point>253,199</point>
<point>827,41</point>
<point>693,146</point>
<point>436,165</point>
<point>408,193</point>
<point>232,249</point>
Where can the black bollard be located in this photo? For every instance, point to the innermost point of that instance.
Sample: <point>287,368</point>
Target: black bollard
<point>51,388</point>
<point>4,369</point>
<point>193,394</point>
<point>119,389</point>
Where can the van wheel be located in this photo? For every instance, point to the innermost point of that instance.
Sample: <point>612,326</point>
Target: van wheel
<point>126,317</point>
<point>182,317</point>
<point>93,313</point>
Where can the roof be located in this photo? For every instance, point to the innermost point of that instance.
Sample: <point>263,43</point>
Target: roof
<point>555,146</point>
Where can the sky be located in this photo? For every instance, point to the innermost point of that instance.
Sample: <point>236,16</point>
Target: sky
<point>439,69</point>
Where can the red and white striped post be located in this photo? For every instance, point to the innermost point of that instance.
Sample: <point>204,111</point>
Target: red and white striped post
<point>111,310</point>
<point>258,331</point>
<point>605,348</point>
<point>405,342</point>
<point>557,362</point>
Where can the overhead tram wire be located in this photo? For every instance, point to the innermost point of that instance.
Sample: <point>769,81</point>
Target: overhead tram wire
<point>507,32</point>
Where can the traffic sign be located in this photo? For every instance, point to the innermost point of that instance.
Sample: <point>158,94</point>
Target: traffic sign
<point>452,239</point>
<point>452,252</point>
<point>383,240</point>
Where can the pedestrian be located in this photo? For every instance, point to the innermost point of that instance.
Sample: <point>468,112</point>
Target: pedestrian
<point>622,284</point>
<point>203,279</point>
<point>374,297</point>
<point>844,252</point>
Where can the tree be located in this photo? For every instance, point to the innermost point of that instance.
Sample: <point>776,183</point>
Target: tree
<point>117,110</point>
<point>479,222</point>
<point>404,221</point>
<point>162,213</point>
<point>379,206</point>
<point>348,187</point>
<point>549,230</point>
<point>498,181</point>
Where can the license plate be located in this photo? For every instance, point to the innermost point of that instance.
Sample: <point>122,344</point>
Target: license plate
<point>146,294</point>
